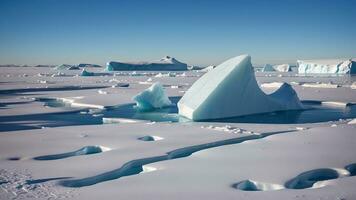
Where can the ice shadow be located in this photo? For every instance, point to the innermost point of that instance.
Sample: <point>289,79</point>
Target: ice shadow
<point>83,151</point>
<point>307,179</point>
<point>37,121</point>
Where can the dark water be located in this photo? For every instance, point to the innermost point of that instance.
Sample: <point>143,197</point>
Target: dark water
<point>315,113</point>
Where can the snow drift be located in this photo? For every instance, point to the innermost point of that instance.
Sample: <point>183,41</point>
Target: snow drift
<point>336,66</point>
<point>231,90</point>
<point>166,63</point>
<point>152,98</point>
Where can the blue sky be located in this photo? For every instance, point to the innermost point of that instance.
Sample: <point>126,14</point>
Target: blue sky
<point>199,32</point>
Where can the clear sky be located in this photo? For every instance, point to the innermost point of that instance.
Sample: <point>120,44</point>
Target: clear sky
<point>198,32</point>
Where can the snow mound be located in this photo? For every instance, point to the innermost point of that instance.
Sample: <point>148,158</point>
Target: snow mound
<point>249,185</point>
<point>277,68</point>
<point>150,138</point>
<point>152,98</point>
<point>231,90</point>
<point>165,63</point>
<point>336,66</point>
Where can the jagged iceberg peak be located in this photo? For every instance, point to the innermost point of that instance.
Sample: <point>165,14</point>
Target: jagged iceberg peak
<point>168,59</point>
<point>231,90</point>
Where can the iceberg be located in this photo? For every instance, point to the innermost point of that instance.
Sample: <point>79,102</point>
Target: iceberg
<point>86,73</point>
<point>167,63</point>
<point>277,68</point>
<point>66,66</point>
<point>82,65</point>
<point>231,90</point>
<point>152,98</point>
<point>335,66</point>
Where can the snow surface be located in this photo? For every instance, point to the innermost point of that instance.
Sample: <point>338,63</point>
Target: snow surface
<point>336,66</point>
<point>231,90</point>
<point>147,159</point>
<point>165,63</point>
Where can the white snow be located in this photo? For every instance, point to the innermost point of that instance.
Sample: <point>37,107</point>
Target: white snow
<point>151,98</point>
<point>320,85</point>
<point>231,90</point>
<point>353,86</point>
<point>272,85</point>
<point>330,66</point>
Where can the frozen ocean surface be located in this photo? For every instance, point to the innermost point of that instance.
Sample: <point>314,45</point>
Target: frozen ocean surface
<point>64,136</point>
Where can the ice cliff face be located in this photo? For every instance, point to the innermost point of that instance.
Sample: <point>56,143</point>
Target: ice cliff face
<point>165,63</point>
<point>231,90</point>
<point>336,66</point>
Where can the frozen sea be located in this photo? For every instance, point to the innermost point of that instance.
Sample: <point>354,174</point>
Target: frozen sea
<point>66,136</point>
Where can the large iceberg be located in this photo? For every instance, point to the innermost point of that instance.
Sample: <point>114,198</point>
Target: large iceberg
<point>231,90</point>
<point>152,98</point>
<point>277,68</point>
<point>335,66</point>
<point>167,63</point>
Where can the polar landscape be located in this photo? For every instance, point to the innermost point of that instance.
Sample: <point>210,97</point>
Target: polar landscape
<point>173,100</point>
<point>118,134</point>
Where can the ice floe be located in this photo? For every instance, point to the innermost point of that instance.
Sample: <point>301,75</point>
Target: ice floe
<point>152,98</point>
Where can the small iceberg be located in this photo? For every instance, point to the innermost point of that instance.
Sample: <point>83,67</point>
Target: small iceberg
<point>86,73</point>
<point>231,90</point>
<point>83,65</point>
<point>277,68</point>
<point>152,98</point>
<point>66,67</point>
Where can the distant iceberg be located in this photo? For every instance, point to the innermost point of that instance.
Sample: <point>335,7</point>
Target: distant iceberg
<point>230,90</point>
<point>66,67</point>
<point>336,66</point>
<point>86,73</point>
<point>277,68</point>
<point>166,63</point>
<point>82,65</point>
<point>152,98</point>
